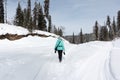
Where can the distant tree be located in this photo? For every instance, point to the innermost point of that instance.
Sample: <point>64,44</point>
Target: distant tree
<point>106,33</point>
<point>86,37</point>
<point>55,31</point>
<point>58,29</point>
<point>114,26</point>
<point>118,21</point>
<point>1,11</point>
<point>103,36</point>
<point>19,18</point>
<point>41,19</point>
<point>108,22</point>
<point>73,38</point>
<point>111,32</point>
<point>95,30</point>
<point>60,32</point>
<point>81,36</point>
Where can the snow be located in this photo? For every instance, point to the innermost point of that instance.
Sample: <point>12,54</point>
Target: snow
<point>43,32</point>
<point>5,28</point>
<point>33,58</point>
<point>11,29</point>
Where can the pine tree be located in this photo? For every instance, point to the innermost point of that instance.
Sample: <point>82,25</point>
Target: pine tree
<point>49,25</point>
<point>46,7</point>
<point>95,31</point>
<point>81,36</point>
<point>31,25</point>
<point>41,19</point>
<point>58,29</point>
<point>19,18</point>
<point>105,33</point>
<point>103,36</point>
<point>1,11</point>
<point>25,18</point>
<point>46,12</point>
<point>73,39</point>
<point>35,16</point>
<point>114,26</point>
<point>60,32</point>
<point>118,20</point>
<point>111,33</point>
<point>55,30</point>
<point>108,21</point>
<point>28,16</point>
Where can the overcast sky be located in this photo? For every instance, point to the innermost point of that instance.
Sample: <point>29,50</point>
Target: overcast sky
<point>75,14</point>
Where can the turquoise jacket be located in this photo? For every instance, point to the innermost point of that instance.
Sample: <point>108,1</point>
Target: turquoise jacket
<point>59,44</point>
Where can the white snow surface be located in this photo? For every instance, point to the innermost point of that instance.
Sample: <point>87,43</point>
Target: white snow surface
<point>33,58</point>
<point>11,29</point>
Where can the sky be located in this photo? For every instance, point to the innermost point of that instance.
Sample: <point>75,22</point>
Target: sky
<point>74,15</point>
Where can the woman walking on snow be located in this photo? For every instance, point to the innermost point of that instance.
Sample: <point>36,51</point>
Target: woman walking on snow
<point>60,48</point>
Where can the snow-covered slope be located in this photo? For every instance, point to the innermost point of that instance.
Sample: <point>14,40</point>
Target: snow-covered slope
<point>33,58</point>
<point>11,29</point>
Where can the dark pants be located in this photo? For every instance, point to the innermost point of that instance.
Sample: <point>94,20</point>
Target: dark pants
<point>60,55</point>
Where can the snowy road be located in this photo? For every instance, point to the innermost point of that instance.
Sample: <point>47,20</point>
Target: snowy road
<point>90,61</point>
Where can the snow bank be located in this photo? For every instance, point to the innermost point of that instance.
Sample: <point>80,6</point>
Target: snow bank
<point>11,29</point>
<point>43,32</point>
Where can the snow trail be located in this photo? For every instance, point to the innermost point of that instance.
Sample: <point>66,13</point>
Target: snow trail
<point>98,64</point>
<point>89,61</point>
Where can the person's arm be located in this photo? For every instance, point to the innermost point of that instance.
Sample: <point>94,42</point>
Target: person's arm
<point>63,48</point>
<point>56,44</point>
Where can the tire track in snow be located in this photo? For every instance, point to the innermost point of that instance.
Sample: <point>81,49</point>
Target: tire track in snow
<point>108,72</point>
<point>108,67</point>
<point>98,66</point>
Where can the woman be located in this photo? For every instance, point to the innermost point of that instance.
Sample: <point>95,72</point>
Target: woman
<point>60,48</point>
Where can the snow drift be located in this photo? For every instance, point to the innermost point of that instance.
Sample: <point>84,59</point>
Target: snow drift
<point>12,32</point>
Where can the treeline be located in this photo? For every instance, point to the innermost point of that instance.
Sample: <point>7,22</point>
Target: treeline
<point>107,32</point>
<point>31,20</point>
<point>36,18</point>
